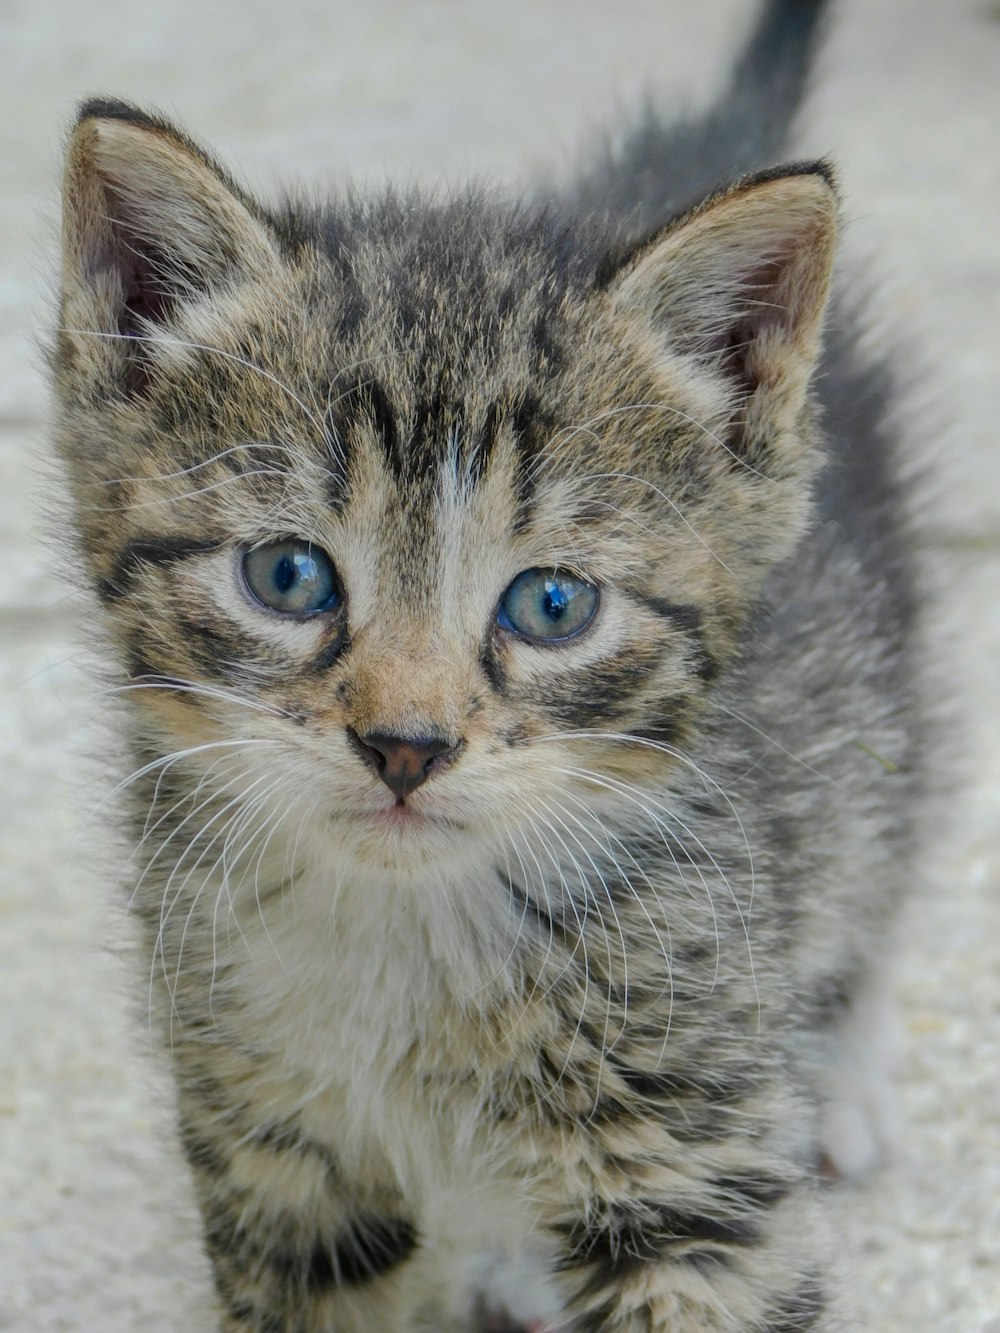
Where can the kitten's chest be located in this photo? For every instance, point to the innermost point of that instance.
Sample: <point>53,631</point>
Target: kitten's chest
<point>347,991</point>
<point>362,1044</point>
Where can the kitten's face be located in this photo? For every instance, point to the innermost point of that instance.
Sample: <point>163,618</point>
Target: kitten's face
<point>397,484</point>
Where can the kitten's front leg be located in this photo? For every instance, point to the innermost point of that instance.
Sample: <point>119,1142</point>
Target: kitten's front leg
<point>687,1205</point>
<point>275,1274</point>
<point>648,1266</point>
<point>295,1247</point>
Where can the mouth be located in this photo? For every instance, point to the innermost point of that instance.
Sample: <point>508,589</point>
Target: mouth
<point>402,835</point>
<point>403,815</point>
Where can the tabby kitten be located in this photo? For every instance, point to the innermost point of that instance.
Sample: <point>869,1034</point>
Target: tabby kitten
<point>506,705</point>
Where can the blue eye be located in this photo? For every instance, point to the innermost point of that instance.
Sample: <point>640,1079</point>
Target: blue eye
<point>292,576</point>
<point>547,604</point>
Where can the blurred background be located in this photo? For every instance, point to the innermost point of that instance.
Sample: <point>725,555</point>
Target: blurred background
<point>96,1232</point>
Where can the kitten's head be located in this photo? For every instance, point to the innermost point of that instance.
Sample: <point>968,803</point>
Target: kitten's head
<point>431,504</point>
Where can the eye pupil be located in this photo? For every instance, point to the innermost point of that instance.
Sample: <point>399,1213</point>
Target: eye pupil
<point>556,601</point>
<point>284,574</point>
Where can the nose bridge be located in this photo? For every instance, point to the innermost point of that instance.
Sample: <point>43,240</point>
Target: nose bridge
<point>413,668</point>
<point>408,684</point>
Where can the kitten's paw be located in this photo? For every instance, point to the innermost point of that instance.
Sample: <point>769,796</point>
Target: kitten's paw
<point>859,1116</point>
<point>856,1136</point>
<point>502,1323</point>
<point>516,1296</point>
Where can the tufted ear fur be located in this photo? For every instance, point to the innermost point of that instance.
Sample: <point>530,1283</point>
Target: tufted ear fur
<point>739,287</point>
<point>148,220</point>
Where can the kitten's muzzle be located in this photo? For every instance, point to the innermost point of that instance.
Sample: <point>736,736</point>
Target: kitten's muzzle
<point>404,762</point>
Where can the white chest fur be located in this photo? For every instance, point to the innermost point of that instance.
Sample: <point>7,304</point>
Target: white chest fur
<point>361,989</point>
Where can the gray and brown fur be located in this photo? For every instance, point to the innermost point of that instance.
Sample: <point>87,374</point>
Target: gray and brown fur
<point>560,1048</point>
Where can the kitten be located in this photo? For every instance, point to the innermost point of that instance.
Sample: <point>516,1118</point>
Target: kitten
<point>519,709</point>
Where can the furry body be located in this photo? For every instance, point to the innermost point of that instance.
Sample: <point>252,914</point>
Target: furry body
<point>554,1033</point>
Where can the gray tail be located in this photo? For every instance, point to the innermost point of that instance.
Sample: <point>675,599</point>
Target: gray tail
<point>659,169</point>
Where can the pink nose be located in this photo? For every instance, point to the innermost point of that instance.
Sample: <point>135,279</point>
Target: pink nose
<point>404,762</point>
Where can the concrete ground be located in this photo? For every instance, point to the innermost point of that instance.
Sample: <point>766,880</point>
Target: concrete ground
<point>95,1227</point>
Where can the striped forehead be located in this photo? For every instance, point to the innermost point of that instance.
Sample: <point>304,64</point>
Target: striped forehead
<point>431,516</point>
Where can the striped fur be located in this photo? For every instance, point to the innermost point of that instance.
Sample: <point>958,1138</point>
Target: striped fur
<point>548,1039</point>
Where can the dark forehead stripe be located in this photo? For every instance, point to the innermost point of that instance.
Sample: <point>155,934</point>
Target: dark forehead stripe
<point>521,418</point>
<point>383,418</point>
<point>357,401</point>
<point>483,442</point>
<point>411,438</point>
<point>415,438</point>
<point>533,426</point>
<point>437,425</point>
<point>433,420</point>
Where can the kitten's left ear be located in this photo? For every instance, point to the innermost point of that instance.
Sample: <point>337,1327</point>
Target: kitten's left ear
<point>149,220</point>
<point>740,285</point>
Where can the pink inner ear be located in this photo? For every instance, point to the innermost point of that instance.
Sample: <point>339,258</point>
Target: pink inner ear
<point>146,294</point>
<point>731,353</point>
<point>145,297</point>
<point>757,309</point>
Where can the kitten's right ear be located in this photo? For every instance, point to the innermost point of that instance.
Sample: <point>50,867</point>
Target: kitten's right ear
<point>148,221</point>
<point>739,286</point>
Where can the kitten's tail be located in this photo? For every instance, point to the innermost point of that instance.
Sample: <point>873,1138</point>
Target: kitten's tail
<point>768,84</point>
<point>659,168</point>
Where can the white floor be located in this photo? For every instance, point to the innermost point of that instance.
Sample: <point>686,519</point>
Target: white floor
<point>95,1231</point>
